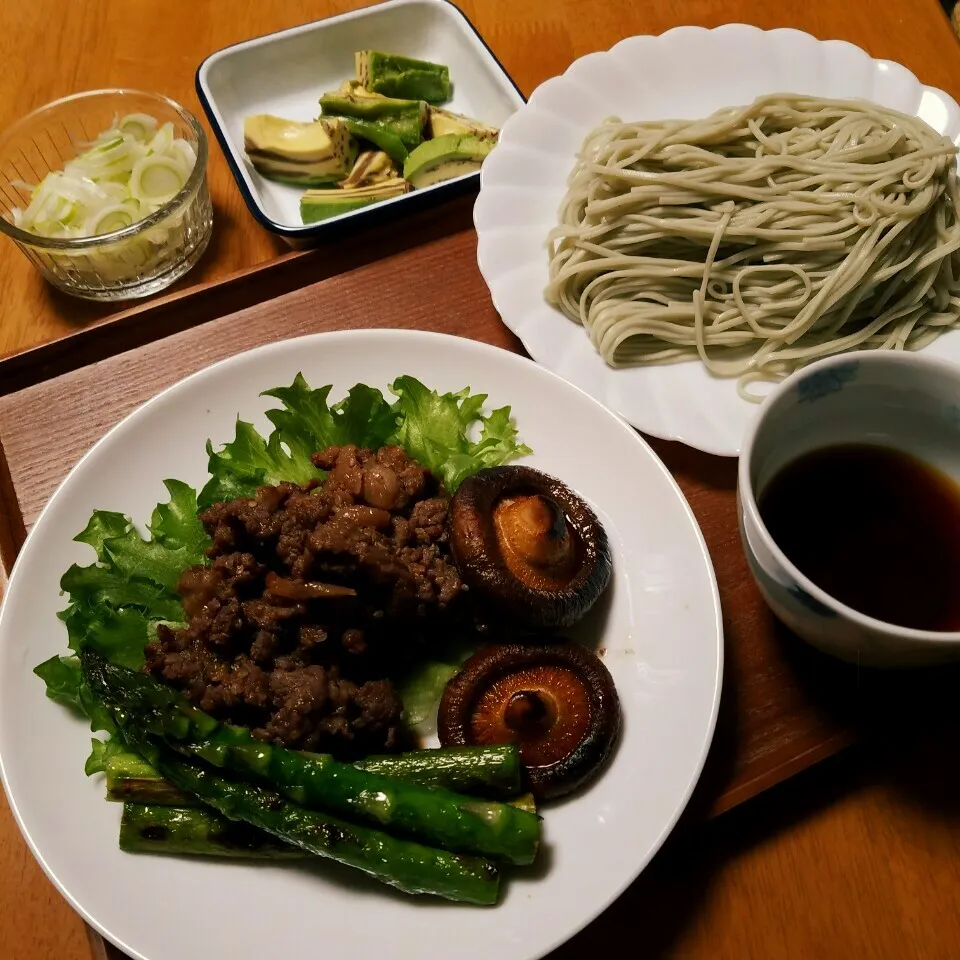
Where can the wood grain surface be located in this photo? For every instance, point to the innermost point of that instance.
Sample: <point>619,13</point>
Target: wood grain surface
<point>784,707</point>
<point>858,860</point>
<point>182,309</point>
<point>157,45</point>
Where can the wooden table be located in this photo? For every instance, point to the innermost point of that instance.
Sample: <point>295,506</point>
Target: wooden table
<point>858,859</point>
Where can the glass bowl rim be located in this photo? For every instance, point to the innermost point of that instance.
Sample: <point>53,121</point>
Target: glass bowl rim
<point>74,244</point>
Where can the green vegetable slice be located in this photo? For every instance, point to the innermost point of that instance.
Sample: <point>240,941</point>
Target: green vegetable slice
<point>141,126</point>
<point>488,771</point>
<point>196,831</point>
<point>380,136</point>
<point>157,179</point>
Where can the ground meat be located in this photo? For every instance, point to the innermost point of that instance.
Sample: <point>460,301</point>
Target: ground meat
<point>313,595</point>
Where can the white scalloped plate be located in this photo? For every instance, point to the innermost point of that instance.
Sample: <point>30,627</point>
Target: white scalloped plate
<point>686,72</point>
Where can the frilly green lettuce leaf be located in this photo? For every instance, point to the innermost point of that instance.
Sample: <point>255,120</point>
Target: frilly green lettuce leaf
<point>307,423</point>
<point>63,679</point>
<point>175,525</point>
<point>101,751</point>
<point>65,684</point>
<point>248,462</point>
<point>435,429</point>
<point>116,603</point>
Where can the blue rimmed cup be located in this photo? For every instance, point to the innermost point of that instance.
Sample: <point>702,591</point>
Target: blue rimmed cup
<point>905,401</point>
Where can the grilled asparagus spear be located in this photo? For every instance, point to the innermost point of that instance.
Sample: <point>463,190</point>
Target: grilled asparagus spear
<point>410,867</point>
<point>130,778</point>
<point>197,831</point>
<point>479,771</point>
<point>433,815</point>
<point>485,771</point>
<point>156,792</point>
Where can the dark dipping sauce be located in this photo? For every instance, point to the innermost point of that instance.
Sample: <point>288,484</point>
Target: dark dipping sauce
<point>876,529</point>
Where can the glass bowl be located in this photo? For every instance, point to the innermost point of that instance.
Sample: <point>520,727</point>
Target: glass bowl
<point>132,262</point>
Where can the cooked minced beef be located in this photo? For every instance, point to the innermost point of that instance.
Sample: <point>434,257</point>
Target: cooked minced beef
<point>313,593</point>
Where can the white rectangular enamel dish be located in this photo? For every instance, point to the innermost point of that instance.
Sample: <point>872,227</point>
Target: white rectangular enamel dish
<point>285,73</point>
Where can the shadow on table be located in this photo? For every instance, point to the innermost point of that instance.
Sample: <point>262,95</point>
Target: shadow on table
<point>908,716</point>
<point>668,898</point>
<point>662,907</point>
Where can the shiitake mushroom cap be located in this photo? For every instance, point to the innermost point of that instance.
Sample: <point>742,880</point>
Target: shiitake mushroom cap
<point>557,702</point>
<point>528,547</point>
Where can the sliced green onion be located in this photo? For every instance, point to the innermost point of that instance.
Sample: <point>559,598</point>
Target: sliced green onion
<point>186,151</point>
<point>162,140</point>
<point>156,179</point>
<point>127,173</point>
<point>108,160</point>
<point>141,126</point>
<point>115,190</point>
<point>112,218</point>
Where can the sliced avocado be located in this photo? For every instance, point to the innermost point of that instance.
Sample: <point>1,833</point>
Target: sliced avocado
<point>399,76</point>
<point>295,141</point>
<point>444,158</point>
<point>372,166</point>
<point>354,87</point>
<point>443,122</point>
<point>405,119</point>
<point>316,205</point>
<point>322,151</point>
<point>298,175</point>
<point>379,136</point>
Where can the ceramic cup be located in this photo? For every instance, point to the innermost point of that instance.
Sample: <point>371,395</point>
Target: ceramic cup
<point>901,400</point>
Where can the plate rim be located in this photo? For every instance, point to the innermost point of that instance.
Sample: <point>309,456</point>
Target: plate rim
<point>658,431</point>
<point>387,333</point>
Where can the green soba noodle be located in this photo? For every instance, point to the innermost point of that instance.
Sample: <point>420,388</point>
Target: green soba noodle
<point>760,238</point>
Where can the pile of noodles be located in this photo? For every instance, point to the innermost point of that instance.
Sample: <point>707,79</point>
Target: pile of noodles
<point>760,238</point>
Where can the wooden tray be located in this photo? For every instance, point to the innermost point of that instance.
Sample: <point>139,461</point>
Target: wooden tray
<point>105,332</point>
<point>772,724</point>
<point>784,707</point>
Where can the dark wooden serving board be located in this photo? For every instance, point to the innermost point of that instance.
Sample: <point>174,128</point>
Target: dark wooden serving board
<point>784,707</point>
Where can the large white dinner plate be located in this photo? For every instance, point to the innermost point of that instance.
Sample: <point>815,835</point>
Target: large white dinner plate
<point>659,626</point>
<point>685,72</point>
